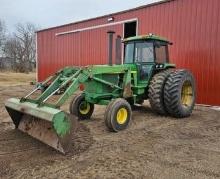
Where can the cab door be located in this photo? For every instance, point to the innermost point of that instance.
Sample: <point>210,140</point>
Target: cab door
<point>144,59</point>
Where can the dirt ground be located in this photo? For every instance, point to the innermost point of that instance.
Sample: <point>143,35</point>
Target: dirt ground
<point>152,147</point>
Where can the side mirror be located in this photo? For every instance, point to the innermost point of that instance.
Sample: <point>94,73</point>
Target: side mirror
<point>170,43</point>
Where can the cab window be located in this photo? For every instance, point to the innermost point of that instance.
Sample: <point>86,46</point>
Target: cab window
<point>129,53</point>
<point>161,53</point>
<point>139,52</point>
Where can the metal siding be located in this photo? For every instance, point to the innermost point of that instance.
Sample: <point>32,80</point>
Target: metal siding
<point>193,26</point>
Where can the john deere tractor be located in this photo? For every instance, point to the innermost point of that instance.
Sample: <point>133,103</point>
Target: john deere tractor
<point>145,73</point>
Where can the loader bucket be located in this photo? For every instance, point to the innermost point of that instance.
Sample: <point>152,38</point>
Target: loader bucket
<point>49,125</point>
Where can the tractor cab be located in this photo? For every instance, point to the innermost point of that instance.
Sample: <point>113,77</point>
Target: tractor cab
<point>148,52</point>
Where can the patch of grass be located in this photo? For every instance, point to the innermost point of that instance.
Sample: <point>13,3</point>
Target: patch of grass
<point>11,78</point>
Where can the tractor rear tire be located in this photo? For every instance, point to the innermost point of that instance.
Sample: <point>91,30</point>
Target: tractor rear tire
<point>80,107</point>
<point>179,93</point>
<point>118,115</point>
<point>156,91</point>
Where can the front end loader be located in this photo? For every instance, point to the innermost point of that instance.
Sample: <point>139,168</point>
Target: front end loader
<point>144,74</point>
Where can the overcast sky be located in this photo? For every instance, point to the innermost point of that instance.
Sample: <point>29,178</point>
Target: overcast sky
<point>48,13</point>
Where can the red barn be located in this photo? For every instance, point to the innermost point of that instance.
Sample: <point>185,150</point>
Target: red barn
<point>192,25</point>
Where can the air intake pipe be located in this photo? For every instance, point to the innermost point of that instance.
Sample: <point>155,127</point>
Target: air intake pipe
<point>118,50</point>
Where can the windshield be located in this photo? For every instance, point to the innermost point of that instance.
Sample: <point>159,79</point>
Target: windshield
<point>144,52</point>
<point>139,52</point>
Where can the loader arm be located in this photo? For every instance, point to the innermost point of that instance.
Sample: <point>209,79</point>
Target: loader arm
<point>75,81</point>
<point>61,80</point>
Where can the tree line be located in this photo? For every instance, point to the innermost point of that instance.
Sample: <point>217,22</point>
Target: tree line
<point>18,46</point>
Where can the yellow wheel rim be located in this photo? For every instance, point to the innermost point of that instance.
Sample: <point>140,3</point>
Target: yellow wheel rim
<point>122,115</point>
<point>84,107</point>
<point>187,94</point>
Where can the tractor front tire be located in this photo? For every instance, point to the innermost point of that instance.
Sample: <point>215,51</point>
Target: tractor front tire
<point>80,107</point>
<point>156,91</point>
<point>179,93</point>
<point>118,115</point>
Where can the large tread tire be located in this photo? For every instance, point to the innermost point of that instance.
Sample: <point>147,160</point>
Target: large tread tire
<point>111,115</point>
<point>74,107</point>
<point>156,91</point>
<point>173,93</point>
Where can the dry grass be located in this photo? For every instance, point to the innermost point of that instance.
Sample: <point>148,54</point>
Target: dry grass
<point>11,78</point>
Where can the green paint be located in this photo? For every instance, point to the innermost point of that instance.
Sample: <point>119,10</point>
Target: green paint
<point>169,65</point>
<point>145,37</point>
<point>61,124</point>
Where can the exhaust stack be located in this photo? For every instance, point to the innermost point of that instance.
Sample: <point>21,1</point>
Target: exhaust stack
<point>110,45</point>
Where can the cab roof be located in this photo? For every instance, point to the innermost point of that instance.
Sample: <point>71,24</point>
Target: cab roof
<point>146,37</point>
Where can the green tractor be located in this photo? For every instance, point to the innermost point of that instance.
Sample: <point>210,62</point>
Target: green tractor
<point>144,74</point>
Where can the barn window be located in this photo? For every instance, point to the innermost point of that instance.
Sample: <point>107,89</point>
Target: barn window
<point>130,29</point>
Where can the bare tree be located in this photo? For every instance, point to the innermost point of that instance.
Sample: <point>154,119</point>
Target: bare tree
<point>2,35</point>
<point>21,47</point>
<point>13,50</point>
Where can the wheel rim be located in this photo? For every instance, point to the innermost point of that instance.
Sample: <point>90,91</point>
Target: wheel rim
<point>187,94</point>
<point>84,107</point>
<point>122,115</point>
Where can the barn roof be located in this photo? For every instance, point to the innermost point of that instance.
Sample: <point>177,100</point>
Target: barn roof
<point>111,14</point>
